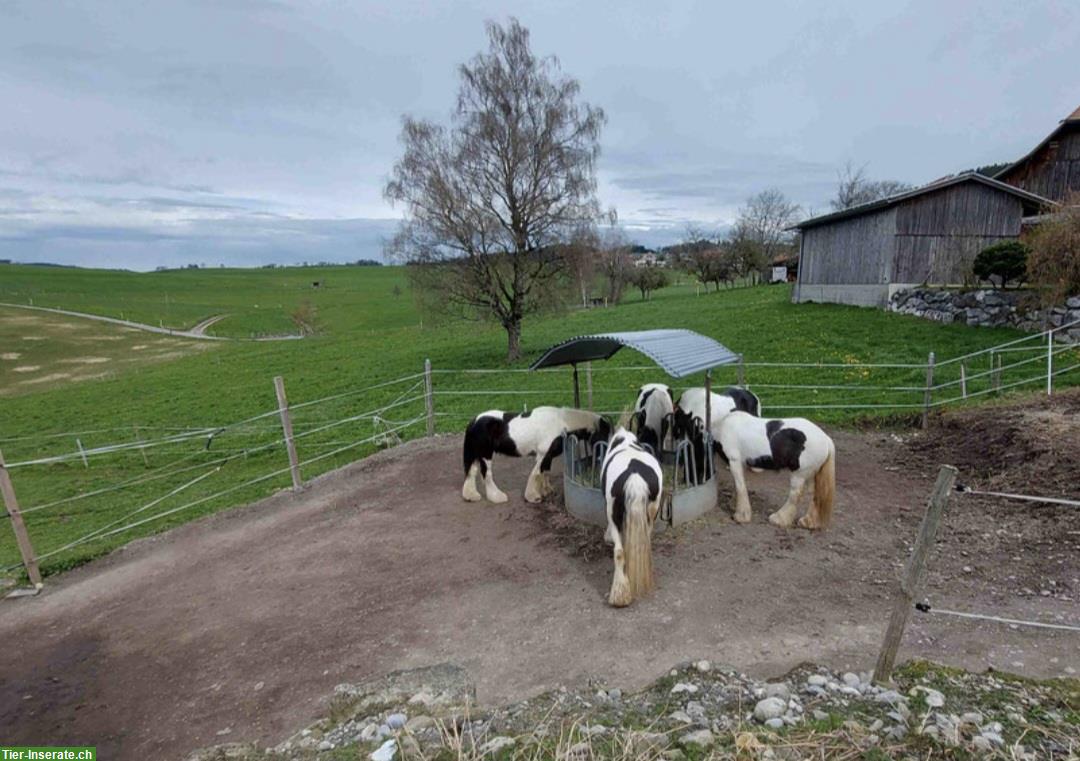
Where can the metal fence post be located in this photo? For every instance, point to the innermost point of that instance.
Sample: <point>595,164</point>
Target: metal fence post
<point>588,384</point>
<point>286,425</point>
<point>429,399</point>
<point>908,588</point>
<point>26,549</point>
<point>928,396</point>
<point>963,381</point>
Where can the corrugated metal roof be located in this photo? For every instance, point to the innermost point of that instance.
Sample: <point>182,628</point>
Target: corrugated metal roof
<point>678,352</point>
<point>883,203</point>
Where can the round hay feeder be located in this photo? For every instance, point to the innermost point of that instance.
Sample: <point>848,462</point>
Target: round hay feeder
<point>690,480</point>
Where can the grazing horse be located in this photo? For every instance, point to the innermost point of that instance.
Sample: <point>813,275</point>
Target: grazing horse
<point>690,416</point>
<point>654,404</point>
<point>793,444</point>
<point>536,432</point>
<point>632,482</point>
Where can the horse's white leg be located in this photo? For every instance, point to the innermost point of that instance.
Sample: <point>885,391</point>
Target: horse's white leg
<point>534,488</point>
<point>786,515</point>
<point>469,492</point>
<point>742,498</point>
<point>619,596</point>
<point>811,520</point>
<point>493,492</point>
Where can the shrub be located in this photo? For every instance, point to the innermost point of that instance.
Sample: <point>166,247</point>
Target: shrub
<point>1054,263</point>
<point>1006,261</point>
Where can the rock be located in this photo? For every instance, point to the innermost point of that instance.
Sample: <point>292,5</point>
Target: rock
<point>818,713</point>
<point>370,732</point>
<point>933,698</point>
<point>695,709</point>
<point>419,723</point>
<point>325,745</point>
<point>615,694</point>
<point>681,716</point>
<point>972,717</point>
<point>850,679</point>
<point>702,738</point>
<point>769,708</point>
<point>815,680</point>
<point>684,687</point>
<point>777,690</point>
<point>773,723</point>
<point>422,698</point>
<point>386,751</point>
<point>980,743</point>
<point>892,697</point>
<point>648,743</point>
<point>703,666</point>
<point>1071,303</point>
<point>993,738</point>
<point>495,744</point>
<point>396,720</point>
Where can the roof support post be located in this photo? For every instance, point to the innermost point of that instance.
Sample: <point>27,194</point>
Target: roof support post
<point>577,388</point>
<point>708,405</point>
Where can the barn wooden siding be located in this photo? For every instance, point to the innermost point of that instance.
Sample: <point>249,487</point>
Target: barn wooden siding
<point>938,235</point>
<point>1053,171</point>
<point>857,250</point>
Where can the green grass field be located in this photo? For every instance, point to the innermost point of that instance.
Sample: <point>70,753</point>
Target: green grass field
<point>370,334</point>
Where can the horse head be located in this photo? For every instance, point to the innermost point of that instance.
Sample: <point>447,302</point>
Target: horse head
<point>602,431</point>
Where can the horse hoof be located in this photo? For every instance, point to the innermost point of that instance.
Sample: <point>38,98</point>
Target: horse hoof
<point>778,520</point>
<point>808,523</point>
<point>497,497</point>
<point>742,518</point>
<point>470,497</point>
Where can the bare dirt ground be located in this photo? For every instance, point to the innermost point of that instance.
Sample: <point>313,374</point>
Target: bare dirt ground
<point>237,627</point>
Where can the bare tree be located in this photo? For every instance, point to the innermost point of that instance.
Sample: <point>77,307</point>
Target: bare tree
<point>488,198</point>
<point>853,188</point>
<point>761,229</point>
<point>616,264</point>
<point>582,254</point>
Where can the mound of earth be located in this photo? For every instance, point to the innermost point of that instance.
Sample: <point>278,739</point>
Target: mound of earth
<point>697,710</point>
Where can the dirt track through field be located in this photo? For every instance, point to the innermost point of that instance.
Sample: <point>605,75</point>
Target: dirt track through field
<point>237,627</point>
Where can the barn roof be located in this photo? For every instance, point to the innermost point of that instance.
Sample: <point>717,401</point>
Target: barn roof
<point>1072,120</point>
<point>883,203</point>
<point>678,352</point>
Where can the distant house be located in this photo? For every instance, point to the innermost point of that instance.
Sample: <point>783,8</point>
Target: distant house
<point>929,235</point>
<point>648,259</point>
<point>1052,169</point>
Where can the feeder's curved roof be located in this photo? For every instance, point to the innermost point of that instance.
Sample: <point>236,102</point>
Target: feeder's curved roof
<point>678,352</point>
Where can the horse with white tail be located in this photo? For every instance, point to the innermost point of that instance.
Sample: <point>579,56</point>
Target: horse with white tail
<point>537,432</point>
<point>793,444</point>
<point>632,483</point>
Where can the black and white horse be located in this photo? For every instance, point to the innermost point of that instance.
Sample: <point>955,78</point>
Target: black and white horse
<point>689,417</point>
<point>791,444</point>
<point>651,410</point>
<point>536,432</point>
<point>632,482</point>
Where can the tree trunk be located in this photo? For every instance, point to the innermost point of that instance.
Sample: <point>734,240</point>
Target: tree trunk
<point>513,340</point>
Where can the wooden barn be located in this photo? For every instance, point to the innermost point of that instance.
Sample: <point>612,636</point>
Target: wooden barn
<point>1052,169</point>
<point>926,236</point>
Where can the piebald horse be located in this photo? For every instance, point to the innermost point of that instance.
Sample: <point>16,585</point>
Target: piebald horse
<point>632,482</point>
<point>651,410</point>
<point>792,444</point>
<point>689,417</point>
<point>536,432</point>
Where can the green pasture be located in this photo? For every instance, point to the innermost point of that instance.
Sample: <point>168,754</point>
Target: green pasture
<point>372,334</point>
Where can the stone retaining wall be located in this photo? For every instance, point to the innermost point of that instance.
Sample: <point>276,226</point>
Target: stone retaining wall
<point>989,308</point>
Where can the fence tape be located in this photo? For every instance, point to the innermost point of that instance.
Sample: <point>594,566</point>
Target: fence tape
<point>924,607</point>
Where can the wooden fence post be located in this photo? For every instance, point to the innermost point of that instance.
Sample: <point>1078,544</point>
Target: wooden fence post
<point>588,385</point>
<point>429,398</point>
<point>286,425</point>
<point>26,549</point>
<point>1050,362</point>
<point>963,381</point>
<point>909,587</point>
<point>928,396</point>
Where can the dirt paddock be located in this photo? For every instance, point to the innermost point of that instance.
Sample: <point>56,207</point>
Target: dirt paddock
<point>237,627</point>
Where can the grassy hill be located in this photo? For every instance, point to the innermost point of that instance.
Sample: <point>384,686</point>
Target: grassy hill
<point>370,334</point>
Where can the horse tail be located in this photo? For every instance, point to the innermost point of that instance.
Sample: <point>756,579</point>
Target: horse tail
<point>637,540</point>
<point>825,487</point>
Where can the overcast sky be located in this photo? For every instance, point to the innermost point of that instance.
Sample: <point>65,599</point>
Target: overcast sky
<point>137,134</point>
